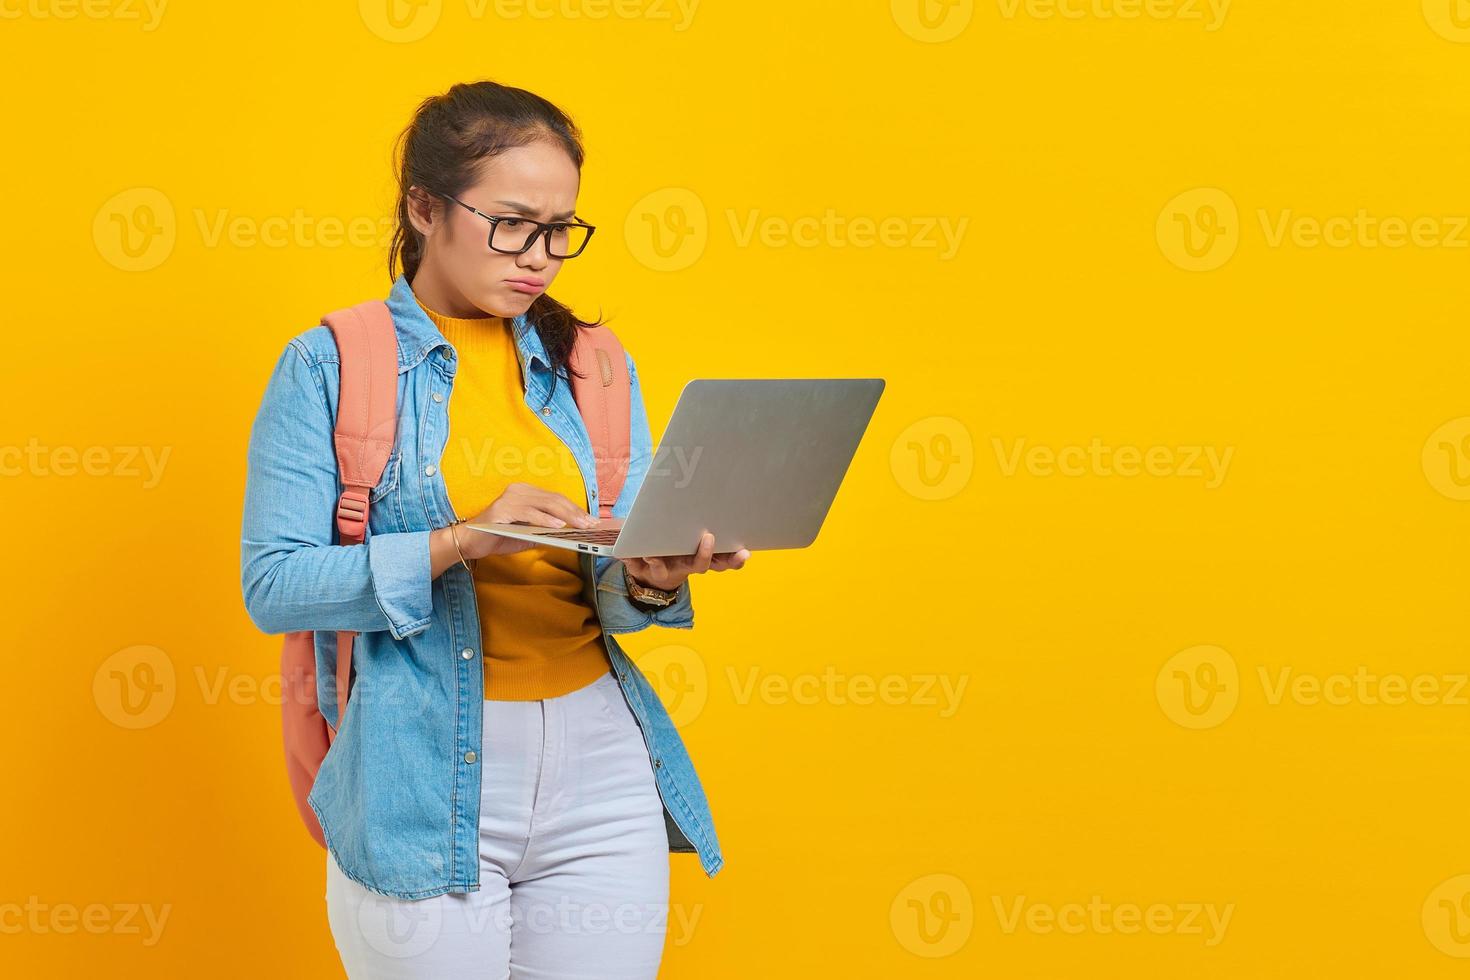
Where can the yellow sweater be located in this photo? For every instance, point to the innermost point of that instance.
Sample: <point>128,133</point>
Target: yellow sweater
<point>540,636</point>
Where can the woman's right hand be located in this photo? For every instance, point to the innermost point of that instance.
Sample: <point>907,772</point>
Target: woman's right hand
<point>524,503</point>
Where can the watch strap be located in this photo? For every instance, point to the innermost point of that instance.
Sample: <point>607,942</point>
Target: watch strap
<point>647,594</point>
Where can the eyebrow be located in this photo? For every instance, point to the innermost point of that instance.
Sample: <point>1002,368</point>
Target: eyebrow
<point>530,212</point>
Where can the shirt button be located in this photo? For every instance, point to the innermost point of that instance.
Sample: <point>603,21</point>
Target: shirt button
<point>546,411</point>
<point>429,470</point>
<point>623,675</point>
<point>467,653</point>
<point>438,397</point>
<point>470,756</point>
<point>657,763</point>
<point>448,354</point>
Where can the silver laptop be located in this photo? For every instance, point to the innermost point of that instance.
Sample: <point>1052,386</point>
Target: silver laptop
<point>756,462</point>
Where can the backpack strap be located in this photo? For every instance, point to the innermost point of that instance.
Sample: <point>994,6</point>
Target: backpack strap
<point>367,419</point>
<point>604,399</point>
<point>367,407</point>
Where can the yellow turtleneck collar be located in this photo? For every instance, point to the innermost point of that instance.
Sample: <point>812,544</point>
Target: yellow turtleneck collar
<point>471,334</point>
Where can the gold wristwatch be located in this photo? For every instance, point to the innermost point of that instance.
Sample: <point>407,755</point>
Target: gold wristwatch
<point>647,595</point>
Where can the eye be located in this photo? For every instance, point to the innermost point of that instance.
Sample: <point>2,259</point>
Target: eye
<point>512,222</point>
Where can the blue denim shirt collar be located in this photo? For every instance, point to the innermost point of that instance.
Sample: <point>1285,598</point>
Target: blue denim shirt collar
<point>418,337</point>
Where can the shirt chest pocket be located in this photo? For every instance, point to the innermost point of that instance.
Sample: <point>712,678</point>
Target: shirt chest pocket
<point>385,508</point>
<point>388,482</point>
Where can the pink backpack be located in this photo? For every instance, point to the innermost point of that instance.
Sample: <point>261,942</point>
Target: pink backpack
<point>367,418</point>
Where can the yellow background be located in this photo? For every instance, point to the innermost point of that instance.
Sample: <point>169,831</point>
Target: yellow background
<point>883,839</point>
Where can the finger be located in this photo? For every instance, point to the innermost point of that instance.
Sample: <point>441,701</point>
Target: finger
<point>562,506</point>
<point>695,563</point>
<point>558,505</point>
<point>532,514</point>
<point>701,559</point>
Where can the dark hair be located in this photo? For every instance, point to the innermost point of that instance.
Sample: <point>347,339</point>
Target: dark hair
<point>441,150</point>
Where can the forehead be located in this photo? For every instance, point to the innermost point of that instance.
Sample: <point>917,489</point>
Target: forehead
<point>540,175</point>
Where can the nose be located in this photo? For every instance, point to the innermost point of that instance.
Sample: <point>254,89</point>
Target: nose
<point>534,258</point>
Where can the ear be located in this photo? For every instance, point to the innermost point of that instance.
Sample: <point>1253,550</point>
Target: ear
<point>421,208</point>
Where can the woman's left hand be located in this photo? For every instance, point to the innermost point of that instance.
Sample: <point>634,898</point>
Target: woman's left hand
<point>668,573</point>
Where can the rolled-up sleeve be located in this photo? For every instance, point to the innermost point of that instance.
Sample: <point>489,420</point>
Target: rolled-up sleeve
<point>618,613</point>
<point>293,577</point>
<point>402,583</point>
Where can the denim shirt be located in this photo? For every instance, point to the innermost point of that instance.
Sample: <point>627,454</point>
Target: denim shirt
<point>398,795</point>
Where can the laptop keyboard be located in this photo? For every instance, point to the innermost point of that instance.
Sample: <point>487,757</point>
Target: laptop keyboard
<point>607,535</point>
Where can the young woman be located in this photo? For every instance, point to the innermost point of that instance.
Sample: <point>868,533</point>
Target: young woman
<point>505,786</point>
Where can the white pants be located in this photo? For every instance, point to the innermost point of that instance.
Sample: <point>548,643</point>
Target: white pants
<point>574,859</point>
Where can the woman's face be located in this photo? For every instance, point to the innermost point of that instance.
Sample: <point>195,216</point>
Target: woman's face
<point>460,272</point>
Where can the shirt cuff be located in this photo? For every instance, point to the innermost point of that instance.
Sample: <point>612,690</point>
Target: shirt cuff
<point>402,582</point>
<point>618,613</point>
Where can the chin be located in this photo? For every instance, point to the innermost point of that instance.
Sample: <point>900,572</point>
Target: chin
<point>508,306</point>
<point>514,303</point>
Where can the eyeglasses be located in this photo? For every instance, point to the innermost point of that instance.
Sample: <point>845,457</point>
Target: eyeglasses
<point>516,236</point>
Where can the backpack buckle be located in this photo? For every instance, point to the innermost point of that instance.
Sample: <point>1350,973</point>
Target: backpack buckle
<point>352,512</point>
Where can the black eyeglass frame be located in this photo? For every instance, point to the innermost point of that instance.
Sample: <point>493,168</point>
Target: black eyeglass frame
<point>543,230</point>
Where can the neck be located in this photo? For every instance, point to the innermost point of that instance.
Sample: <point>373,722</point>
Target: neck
<point>434,293</point>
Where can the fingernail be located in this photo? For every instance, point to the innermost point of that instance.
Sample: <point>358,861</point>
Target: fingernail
<point>587,521</point>
<point>559,522</point>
